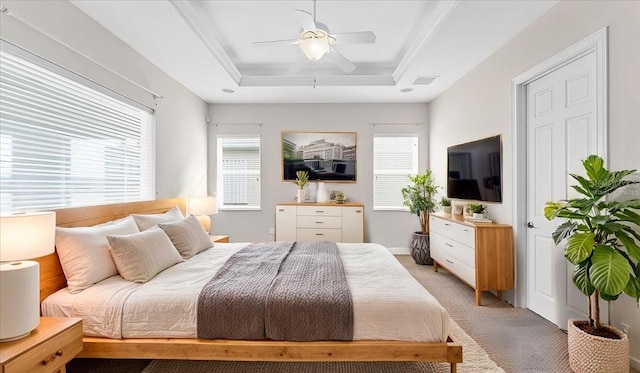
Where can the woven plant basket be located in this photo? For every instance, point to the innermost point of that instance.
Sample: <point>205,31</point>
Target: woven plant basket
<point>590,353</point>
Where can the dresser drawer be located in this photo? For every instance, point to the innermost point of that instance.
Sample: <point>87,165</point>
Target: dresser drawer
<point>305,221</point>
<point>56,352</point>
<point>333,235</point>
<point>458,268</point>
<point>460,232</point>
<point>320,210</point>
<point>454,249</point>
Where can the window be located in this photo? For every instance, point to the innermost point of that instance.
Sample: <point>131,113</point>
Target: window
<point>238,170</point>
<point>63,143</point>
<point>394,157</point>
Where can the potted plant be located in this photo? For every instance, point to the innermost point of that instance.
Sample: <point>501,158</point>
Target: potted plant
<point>446,205</point>
<point>419,197</point>
<point>477,209</point>
<point>602,242</point>
<point>302,178</point>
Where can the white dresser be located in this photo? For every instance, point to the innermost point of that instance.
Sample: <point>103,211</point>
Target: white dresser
<point>320,222</point>
<point>479,254</point>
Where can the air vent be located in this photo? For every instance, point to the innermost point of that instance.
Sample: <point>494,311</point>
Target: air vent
<point>424,80</point>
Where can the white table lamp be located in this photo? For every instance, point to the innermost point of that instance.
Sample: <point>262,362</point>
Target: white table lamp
<point>202,208</point>
<point>22,236</point>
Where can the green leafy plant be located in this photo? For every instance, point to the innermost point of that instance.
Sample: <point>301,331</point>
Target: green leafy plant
<point>476,208</point>
<point>302,178</point>
<point>445,202</point>
<point>419,197</point>
<point>601,236</point>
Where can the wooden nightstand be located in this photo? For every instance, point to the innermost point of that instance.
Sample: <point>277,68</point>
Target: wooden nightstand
<point>46,350</point>
<point>221,239</point>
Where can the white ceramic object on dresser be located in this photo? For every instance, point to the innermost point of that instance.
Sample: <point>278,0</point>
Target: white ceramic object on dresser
<point>481,255</point>
<point>302,195</point>
<point>317,222</point>
<point>323,193</point>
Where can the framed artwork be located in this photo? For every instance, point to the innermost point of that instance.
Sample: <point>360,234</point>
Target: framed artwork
<point>326,156</point>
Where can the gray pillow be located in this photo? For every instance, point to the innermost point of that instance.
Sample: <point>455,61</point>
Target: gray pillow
<point>187,236</point>
<point>147,221</point>
<point>141,256</point>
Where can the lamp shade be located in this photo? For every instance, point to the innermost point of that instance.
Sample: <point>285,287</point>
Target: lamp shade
<point>314,47</point>
<point>27,236</point>
<point>202,205</point>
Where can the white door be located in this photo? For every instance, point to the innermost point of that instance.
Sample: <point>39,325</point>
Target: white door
<point>561,131</point>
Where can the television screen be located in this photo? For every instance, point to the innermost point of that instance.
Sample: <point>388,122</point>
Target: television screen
<point>475,170</point>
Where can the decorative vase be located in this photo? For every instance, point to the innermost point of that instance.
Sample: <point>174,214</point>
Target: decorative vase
<point>302,195</point>
<point>421,249</point>
<point>323,194</point>
<point>591,353</point>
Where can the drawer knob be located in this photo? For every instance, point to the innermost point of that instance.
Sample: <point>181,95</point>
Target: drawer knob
<point>449,261</point>
<point>319,222</point>
<point>319,211</point>
<point>52,357</point>
<point>281,210</point>
<point>319,234</point>
<point>447,224</point>
<point>448,244</point>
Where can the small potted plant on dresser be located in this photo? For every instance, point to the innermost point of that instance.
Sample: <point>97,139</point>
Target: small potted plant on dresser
<point>302,178</point>
<point>602,242</point>
<point>419,197</point>
<point>446,205</point>
<point>478,210</point>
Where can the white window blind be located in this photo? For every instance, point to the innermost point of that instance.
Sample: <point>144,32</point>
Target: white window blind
<point>65,144</point>
<point>238,170</point>
<point>394,158</point>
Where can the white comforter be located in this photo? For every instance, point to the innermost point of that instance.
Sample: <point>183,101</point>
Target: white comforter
<point>388,303</point>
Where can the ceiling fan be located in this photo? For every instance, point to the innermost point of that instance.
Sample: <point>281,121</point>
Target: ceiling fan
<point>316,40</point>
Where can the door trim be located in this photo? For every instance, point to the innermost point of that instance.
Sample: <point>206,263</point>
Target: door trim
<point>597,43</point>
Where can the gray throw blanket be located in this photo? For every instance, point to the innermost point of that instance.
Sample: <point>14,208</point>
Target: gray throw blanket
<point>279,291</point>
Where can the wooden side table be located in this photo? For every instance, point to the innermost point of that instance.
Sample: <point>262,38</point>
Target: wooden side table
<point>220,239</point>
<point>47,349</point>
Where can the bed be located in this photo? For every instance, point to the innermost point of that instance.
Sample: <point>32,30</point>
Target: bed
<point>183,345</point>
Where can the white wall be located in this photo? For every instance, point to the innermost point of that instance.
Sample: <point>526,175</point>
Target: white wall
<point>390,228</point>
<point>479,105</point>
<point>60,32</point>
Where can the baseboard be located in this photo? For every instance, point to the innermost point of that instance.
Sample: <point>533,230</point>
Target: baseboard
<point>635,363</point>
<point>399,250</point>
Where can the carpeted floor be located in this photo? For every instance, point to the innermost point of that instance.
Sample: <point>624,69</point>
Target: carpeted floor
<point>516,339</point>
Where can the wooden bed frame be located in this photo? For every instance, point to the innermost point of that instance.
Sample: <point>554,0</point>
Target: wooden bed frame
<point>52,279</point>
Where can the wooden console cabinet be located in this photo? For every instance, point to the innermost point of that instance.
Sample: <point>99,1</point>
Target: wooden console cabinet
<point>320,222</point>
<point>481,255</point>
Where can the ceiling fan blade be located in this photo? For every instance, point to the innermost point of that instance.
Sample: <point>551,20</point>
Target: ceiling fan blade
<point>271,43</point>
<point>306,20</point>
<point>340,60</point>
<point>364,37</point>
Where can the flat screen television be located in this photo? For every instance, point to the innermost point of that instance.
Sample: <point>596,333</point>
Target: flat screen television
<point>474,170</point>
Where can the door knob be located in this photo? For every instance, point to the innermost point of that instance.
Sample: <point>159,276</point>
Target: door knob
<point>530,225</point>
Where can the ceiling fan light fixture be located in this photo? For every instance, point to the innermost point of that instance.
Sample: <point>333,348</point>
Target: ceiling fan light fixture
<point>314,45</point>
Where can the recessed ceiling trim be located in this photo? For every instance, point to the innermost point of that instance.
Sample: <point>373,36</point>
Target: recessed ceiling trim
<point>193,19</point>
<point>436,19</point>
<point>293,81</point>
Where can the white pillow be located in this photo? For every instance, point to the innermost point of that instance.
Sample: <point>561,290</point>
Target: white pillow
<point>187,236</point>
<point>84,252</point>
<point>140,256</point>
<point>147,221</point>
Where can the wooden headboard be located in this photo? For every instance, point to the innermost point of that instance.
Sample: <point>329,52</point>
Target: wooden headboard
<point>51,276</point>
